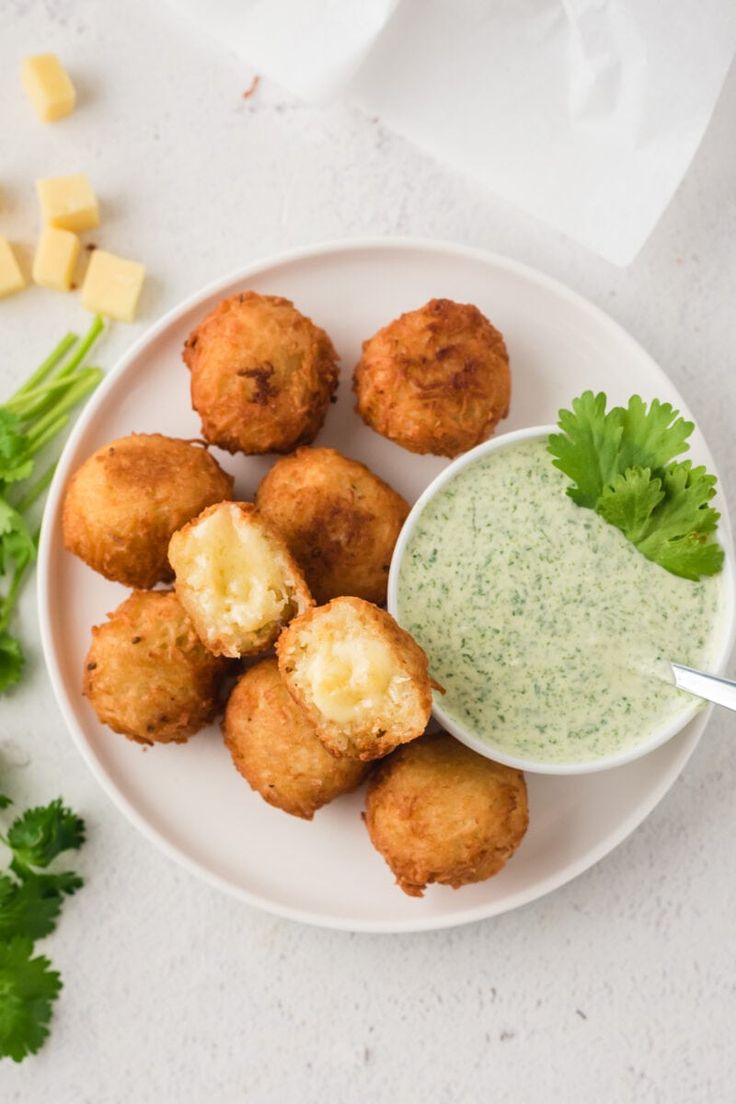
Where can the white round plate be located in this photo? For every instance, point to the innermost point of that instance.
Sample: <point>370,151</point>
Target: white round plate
<point>189,799</point>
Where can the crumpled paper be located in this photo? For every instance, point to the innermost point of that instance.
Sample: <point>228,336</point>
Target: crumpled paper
<point>584,113</point>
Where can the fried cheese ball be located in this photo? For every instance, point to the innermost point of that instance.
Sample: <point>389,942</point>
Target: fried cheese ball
<point>339,520</point>
<point>275,747</point>
<point>236,579</point>
<point>439,812</point>
<point>435,380</point>
<point>147,675</point>
<point>262,374</point>
<point>126,500</point>
<point>361,678</point>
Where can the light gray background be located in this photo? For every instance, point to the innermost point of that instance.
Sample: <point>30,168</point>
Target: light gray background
<point>620,987</point>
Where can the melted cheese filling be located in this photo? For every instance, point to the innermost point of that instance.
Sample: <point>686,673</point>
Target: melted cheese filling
<point>235,573</point>
<point>345,678</point>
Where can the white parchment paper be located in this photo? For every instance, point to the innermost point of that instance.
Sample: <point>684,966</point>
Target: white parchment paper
<point>585,113</point>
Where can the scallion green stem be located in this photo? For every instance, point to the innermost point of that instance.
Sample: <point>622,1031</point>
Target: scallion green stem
<point>49,402</point>
<point>53,400</point>
<point>23,405</point>
<point>36,490</point>
<point>82,348</point>
<point>51,361</point>
<point>81,386</point>
<point>53,427</point>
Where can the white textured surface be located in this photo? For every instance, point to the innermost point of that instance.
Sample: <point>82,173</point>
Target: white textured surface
<point>619,988</point>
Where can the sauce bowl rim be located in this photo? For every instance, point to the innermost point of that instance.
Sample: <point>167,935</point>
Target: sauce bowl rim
<point>725,634</point>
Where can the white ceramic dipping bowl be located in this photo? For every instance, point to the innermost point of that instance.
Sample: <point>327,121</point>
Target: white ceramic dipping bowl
<point>651,738</point>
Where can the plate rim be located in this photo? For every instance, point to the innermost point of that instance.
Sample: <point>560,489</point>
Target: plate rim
<point>689,738</point>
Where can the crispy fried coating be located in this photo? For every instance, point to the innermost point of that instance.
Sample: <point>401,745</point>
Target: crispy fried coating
<point>439,812</point>
<point>262,374</point>
<point>147,675</point>
<point>275,747</point>
<point>435,380</point>
<point>361,678</point>
<point>339,520</point>
<point>126,500</point>
<point>236,579</point>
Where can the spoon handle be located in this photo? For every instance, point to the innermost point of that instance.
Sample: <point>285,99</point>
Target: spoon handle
<point>711,687</point>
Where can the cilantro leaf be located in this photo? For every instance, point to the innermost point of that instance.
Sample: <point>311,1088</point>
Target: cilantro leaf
<point>690,556</point>
<point>12,439</point>
<point>30,904</point>
<point>16,539</point>
<point>65,882</point>
<point>13,472</point>
<point>28,987</point>
<point>622,466</point>
<point>651,436</point>
<point>5,801</point>
<point>27,908</point>
<point>668,518</point>
<point>15,464</point>
<point>12,661</point>
<point>629,501</point>
<point>684,521</point>
<point>42,833</point>
<point>688,491</point>
<point>587,448</point>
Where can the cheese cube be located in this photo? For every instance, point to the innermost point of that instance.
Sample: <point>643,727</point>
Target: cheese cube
<point>68,202</point>
<point>47,85</point>
<point>11,277</point>
<point>56,256</point>
<point>112,286</point>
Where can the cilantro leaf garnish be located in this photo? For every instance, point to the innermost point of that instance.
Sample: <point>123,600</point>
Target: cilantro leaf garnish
<point>42,833</point>
<point>28,908</point>
<point>31,900</point>
<point>651,436</point>
<point>64,883</point>
<point>11,661</point>
<point>588,446</point>
<point>622,465</point>
<point>16,541</point>
<point>15,463</point>
<point>28,988</point>
<point>629,501</point>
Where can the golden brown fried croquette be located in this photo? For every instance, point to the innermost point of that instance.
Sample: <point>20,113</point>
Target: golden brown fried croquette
<point>126,500</point>
<point>339,520</point>
<point>435,380</point>
<point>275,747</point>
<point>439,812</point>
<point>361,678</point>
<point>236,579</point>
<point>147,675</point>
<point>262,374</point>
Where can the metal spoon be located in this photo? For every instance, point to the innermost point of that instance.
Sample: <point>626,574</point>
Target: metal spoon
<point>710,687</point>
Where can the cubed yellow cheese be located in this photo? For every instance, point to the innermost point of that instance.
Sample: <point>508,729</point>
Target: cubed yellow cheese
<point>68,202</point>
<point>112,286</point>
<point>48,86</point>
<point>56,256</point>
<point>11,277</point>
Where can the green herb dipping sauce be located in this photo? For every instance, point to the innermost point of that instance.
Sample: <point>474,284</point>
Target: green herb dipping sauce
<point>548,629</point>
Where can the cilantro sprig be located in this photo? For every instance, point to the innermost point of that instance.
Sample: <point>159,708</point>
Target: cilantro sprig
<point>622,465</point>
<point>29,987</point>
<point>31,899</point>
<point>29,420</point>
